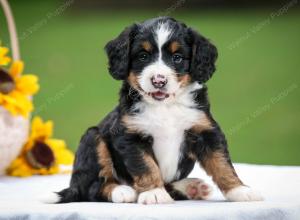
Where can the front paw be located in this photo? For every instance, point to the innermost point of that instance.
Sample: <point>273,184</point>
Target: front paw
<point>243,194</point>
<point>123,194</point>
<point>155,196</point>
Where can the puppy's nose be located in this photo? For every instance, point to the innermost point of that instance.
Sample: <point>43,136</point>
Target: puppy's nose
<point>159,81</point>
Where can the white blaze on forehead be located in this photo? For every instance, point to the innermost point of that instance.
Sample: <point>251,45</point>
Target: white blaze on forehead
<point>162,34</point>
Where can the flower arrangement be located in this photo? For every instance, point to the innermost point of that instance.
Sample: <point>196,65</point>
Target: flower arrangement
<point>16,92</point>
<point>41,153</point>
<point>16,89</point>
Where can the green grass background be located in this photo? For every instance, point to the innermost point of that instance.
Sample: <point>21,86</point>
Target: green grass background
<point>66,52</point>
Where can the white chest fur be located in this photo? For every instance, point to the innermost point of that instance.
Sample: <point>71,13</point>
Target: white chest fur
<point>166,123</point>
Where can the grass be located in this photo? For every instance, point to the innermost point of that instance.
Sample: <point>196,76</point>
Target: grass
<point>254,93</point>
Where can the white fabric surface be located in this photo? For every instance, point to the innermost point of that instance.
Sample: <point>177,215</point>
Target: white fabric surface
<point>279,185</point>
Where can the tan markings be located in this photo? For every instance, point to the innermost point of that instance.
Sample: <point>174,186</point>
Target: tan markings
<point>184,80</point>
<point>192,156</point>
<point>106,171</point>
<point>133,81</point>
<point>107,190</point>
<point>202,124</point>
<point>105,161</point>
<point>147,46</point>
<point>174,46</point>
<point>223,174</point>
<point>131,127</point>
<point>150,180</point>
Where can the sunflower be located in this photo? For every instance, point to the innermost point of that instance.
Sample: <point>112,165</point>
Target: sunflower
<point>15,89</point>
<point>41,154</point>
<point>4,59</point>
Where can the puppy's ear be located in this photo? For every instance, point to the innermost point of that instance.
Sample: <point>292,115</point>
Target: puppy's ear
<point>118,51</point>
<point>204,56</point>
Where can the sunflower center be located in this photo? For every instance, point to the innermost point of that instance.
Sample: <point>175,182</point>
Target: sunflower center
<point>7,83</point>
<point>40,156</point>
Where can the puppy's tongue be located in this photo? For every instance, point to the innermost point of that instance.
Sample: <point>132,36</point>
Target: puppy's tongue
<point>159,95</point>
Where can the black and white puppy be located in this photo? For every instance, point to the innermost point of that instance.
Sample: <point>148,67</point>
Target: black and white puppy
<point>145,148</point>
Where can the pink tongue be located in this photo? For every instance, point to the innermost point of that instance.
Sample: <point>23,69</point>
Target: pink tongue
<point>160,94</point>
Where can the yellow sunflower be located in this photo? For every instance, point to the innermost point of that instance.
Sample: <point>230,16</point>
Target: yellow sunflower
<point>4,59</point>
<point>15,89</point>
<point>41,154</point>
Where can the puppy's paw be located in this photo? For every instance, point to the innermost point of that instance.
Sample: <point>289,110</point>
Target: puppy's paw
<point>197,189</point>
<point>155,196</point>
<point>50,198</point>
<point>123,194</point>
<point>243,194</point>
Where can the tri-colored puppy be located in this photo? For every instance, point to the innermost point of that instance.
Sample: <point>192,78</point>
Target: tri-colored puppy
<point>145,148</point>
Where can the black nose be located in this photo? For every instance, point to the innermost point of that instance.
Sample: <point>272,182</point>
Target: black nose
<point>159,81</point>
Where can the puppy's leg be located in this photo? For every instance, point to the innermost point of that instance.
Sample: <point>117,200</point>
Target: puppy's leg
<point>219,166</point>
<point>111,189</point>
<point>119,193</point>
<point>189,188</point>
<point>210,148</point>
<point>147,180</point>
<point>150,184</point>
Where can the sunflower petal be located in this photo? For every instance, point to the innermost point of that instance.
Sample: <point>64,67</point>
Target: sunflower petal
<point>16,68</point>
<point>4,60</point>
<point>41,130</point>
<point>20,102</point>
<point>3,51</point>
<point>27,84</point>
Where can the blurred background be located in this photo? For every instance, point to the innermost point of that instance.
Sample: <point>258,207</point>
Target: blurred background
<point>254,94</point>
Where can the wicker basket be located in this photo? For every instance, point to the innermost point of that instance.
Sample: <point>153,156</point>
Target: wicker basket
<point>13,134</point>
<point>13,129</point>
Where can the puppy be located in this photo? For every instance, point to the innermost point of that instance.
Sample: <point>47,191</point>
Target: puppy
<point>145,148</point>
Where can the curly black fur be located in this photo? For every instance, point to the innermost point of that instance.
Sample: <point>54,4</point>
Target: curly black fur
<point>204,56</point>
<point>118,51</point>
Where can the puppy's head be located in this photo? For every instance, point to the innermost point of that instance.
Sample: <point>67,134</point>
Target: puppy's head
<point>160,58</point>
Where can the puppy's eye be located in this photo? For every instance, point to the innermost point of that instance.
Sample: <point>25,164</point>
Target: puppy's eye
<point>177,58</point>
<point>143,56</point>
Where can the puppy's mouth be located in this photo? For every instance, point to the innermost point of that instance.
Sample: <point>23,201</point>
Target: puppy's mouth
<point>159,95</point>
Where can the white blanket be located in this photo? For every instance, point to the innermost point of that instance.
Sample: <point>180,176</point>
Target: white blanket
<point>279,185</point>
